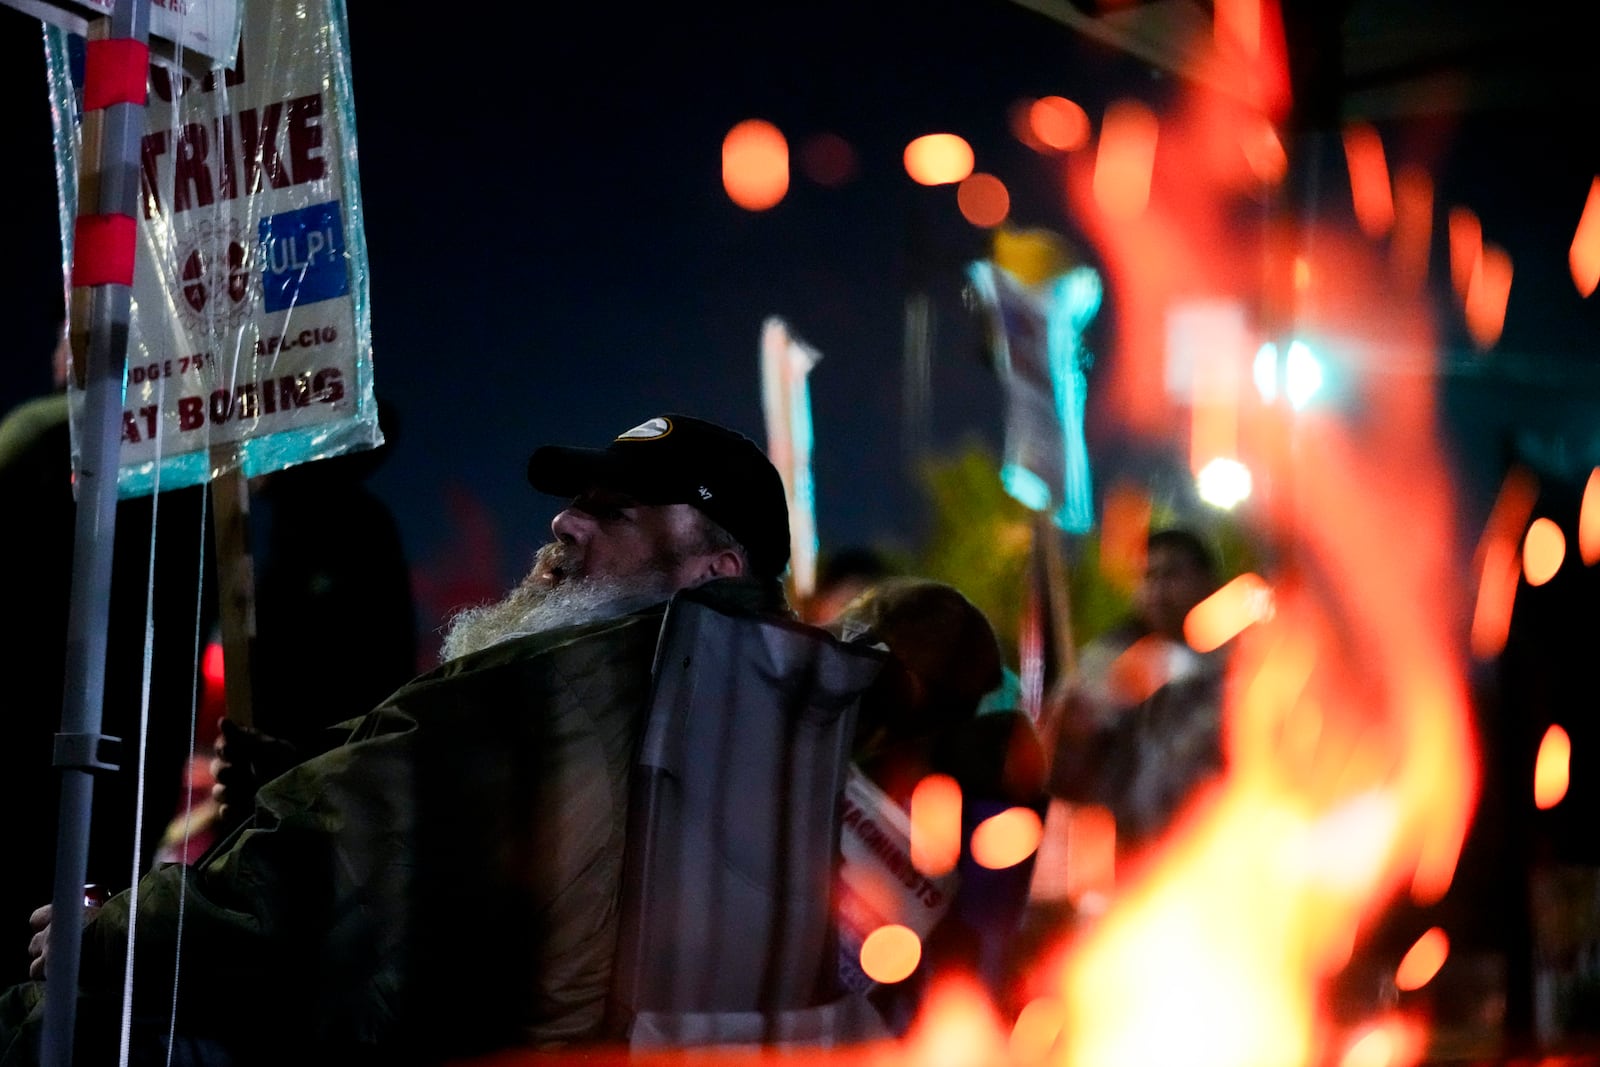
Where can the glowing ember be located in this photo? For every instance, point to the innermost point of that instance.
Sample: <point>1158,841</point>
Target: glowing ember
<point>1393,1042</point>
<point>890,953</point>
<point>1497,563</point>
<point>1552,768</point>
<point>1543,549</point>
<point>957,1027</point>
<point>1422,961</point>
<point>1466,248</point>
<point>1006,839</point>
<point>936,825</point>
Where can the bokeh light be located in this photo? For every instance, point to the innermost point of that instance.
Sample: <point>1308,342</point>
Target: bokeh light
<point>828,159</point>
<point>1006,839</point>
<point>755,165</point>
<point>1223,615</point>
<point>1487,296</point>
<point>1584,256</point>
<point>1124,164</point>
<point>1058,123</point>
<point>1552,768</point>
<point>936,825</point>
<point>1422,961</point>
<point>890,953</point>
<point>1369,179</point>
<point>1544,547</point>
<point>938,159</point>
<point>1589,521</point>
<point>984,200</point>
<point>1466,248</point>
<point>1036,1029</point>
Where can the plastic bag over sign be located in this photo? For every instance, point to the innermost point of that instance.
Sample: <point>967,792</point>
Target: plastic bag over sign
<point>250,344</point>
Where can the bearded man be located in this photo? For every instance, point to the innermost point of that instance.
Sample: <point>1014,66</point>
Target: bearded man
<point>445,881</point>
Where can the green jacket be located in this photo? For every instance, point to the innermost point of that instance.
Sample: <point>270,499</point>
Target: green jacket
<point>444,883</point>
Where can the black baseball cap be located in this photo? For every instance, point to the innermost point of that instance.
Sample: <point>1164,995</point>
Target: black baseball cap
<point>679,459</point>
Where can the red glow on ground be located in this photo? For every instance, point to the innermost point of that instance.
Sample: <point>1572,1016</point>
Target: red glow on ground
<point>755,165</point>
<point>938,159</point>
<point>1422,961</point>
<point>1552,769</point>
<point>983,200</point>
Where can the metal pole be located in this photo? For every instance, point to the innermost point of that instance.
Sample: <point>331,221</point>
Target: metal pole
<point>80,747</point>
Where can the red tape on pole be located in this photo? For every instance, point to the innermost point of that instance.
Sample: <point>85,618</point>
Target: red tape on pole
<point>114,73</point>
<point>102,250</point>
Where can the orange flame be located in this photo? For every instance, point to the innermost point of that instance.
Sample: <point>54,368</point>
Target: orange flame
<point>1413,226</point>
<point>1391,1042</point>
<point>936,825</point>
<point>1552,768</point>
<point>1035,1031</point>
<point>957,1027</point>
<point>1351,762</point>
<point>1422,961</point>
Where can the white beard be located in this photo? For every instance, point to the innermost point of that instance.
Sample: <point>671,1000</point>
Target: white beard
<point>535,606</point>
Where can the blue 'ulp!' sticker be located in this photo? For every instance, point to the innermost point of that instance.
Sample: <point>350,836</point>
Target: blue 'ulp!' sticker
<point>302,256</point>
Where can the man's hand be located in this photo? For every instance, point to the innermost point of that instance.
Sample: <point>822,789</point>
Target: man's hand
<point>243,760</point>
<point>39,923</point>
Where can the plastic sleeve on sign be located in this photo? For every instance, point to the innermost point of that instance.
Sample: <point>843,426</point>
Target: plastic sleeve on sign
<point>102,250</point>
<point>114,72</point>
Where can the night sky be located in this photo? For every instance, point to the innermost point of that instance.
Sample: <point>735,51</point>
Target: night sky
<point>553,259</point>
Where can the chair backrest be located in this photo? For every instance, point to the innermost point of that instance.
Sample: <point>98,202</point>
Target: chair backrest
<point>727,928</point>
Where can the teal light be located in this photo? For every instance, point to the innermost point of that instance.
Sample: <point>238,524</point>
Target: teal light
<point>1025,486</point>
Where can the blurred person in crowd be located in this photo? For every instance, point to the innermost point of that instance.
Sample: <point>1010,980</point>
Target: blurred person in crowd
<point>1138,725</point>
<point>445,882</point>
<point>841,577</point>
<point>156,585</point>
<point>923,717</point>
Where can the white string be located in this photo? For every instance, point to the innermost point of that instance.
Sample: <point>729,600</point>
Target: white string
<point>144,738</point>
<point>188,806</point>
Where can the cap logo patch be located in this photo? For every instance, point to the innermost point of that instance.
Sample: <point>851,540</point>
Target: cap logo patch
<point>705,494</point>
<point>646,431</point>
